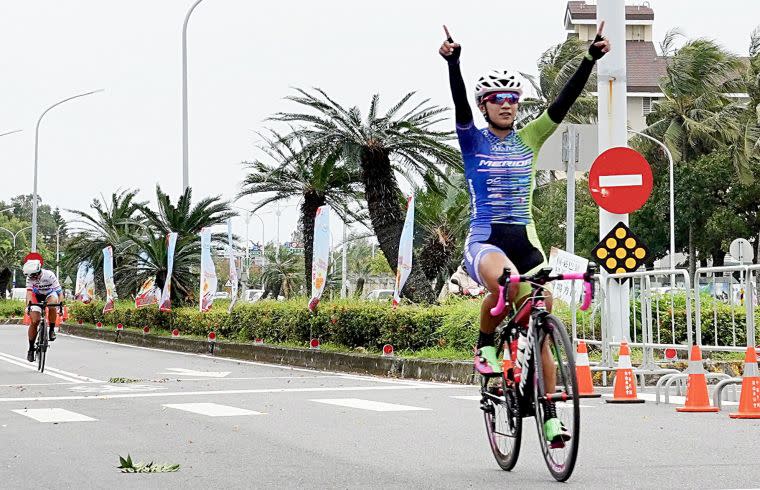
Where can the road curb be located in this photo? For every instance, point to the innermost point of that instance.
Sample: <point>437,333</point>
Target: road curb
<point>394,367</point>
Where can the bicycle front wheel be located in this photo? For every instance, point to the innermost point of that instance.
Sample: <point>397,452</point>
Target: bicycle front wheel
<point>41,346</point>
<point>560,456</point>
<point>503,422</point>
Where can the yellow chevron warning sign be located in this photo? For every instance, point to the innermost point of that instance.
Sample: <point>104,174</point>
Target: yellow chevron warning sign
<point>620,251</point>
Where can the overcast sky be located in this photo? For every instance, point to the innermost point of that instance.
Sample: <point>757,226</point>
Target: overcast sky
<point>244,56</point>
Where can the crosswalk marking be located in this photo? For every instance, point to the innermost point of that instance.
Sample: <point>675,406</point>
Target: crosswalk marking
<point>368,404</point>
<point>53,415</point>
<point>212,409</point>
<point>50,371</point>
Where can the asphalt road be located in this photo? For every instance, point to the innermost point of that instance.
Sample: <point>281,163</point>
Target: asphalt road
<point>234,424</point>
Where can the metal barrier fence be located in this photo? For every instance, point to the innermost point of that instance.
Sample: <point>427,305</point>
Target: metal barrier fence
<point>642,332</point>
<point>721,297</point>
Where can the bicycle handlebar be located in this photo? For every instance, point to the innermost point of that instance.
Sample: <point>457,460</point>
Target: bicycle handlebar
<point>45,305</point>
<point>542,278</point>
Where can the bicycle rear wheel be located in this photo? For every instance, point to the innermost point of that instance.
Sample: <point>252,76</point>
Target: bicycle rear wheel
<point>559,459</point>
<point>503,422</point>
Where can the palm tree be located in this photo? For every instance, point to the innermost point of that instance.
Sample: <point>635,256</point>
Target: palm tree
<point>745,148</point>
<point>692,118</point>
<point>8,260</point>
<point>555,67</point>
<point>440,229</point>
<point>146,258</point>
<point>359,262</point>
<point>283,272</point>
<point>146,250</point>
<point>184,218</point>
<point>109,223</point>
<point>315,178</point>
<point>400,141</point>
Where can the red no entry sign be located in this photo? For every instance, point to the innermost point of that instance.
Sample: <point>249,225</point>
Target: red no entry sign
<point>620,180</point>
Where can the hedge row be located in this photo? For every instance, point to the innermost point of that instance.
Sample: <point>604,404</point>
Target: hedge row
<point>371,324</point>
<point>11,308</point>
<point>350,323</point>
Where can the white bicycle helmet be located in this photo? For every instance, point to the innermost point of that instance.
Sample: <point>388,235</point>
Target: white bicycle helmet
<point>497,81</point>
<point>32,267</point>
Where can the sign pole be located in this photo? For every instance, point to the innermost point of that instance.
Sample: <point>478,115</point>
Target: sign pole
<point>570,155</point>
<point>612,117</point>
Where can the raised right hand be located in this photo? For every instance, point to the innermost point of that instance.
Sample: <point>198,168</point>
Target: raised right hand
<point>449,49</point>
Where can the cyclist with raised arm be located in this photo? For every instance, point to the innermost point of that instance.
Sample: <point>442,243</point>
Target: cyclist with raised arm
<point>41,284</point>
<point>500,168</point>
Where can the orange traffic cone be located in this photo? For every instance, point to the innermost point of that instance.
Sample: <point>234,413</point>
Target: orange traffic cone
<point>65,313</point>
<point>58,320</point>
<point>697,398</point>
<point>583,373</point>
<point>625,381</point>
<point>26,320</point>
<point>749,403</point>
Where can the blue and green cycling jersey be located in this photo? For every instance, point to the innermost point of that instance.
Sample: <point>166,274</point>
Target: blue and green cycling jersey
<point>500,173</point>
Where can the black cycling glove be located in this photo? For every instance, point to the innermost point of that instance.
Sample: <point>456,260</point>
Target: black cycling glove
<point>594,52</point>
<point>453,58</point>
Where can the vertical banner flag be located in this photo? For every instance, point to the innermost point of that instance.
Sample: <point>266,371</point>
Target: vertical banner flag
<point>108,279</point>
<point>80,290</point>
<point>404,251</point>
<point>208,272</point>
<point>233,270</point>
<point>89,285</point>
<point>166,294</point>
<point>149,294</point>
<point>321,255</point>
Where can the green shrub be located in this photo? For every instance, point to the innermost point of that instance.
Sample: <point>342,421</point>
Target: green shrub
<point>11,308</point>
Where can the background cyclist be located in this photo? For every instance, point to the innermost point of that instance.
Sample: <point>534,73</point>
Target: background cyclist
<point>40,284</point>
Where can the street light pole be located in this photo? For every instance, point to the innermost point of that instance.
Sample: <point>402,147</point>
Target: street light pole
<point>58,250</point>
<point>14,235</point>
<point>36,153</point>
<point>344,265</point>
<point>672,196</point>
<point>185,169</point>
<point>249,213</point>
<point>277,250</point>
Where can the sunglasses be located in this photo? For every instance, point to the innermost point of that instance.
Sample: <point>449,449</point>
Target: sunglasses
<point>500,97</point>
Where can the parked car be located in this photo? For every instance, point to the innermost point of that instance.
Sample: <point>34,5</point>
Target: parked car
<point>221,295</point>
<point>380,295</point>
<point>252,295</point>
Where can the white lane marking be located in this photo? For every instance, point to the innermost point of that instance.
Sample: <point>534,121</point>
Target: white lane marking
<point>673,400</point>
<point>222,392</point>
<point>212,409</point>
<point>252,378</point>
<point>621,180</point>
<point>21,385</point>
<point>191,372</point>
<point>368,405</point>
<point>559,404</point>
<point>53,415</point>
<point>33,366</point>
<point>467,397</point>
<point>104,389</point>
<point>566,405</point>
<point>278,366</point>
<point>77,378</point>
